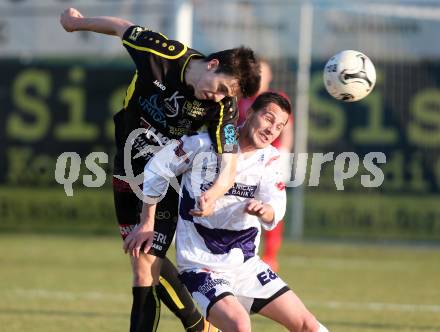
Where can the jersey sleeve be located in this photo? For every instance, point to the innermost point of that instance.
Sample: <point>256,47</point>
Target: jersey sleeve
<point>272,190</point>
<point>223,128</point>
<point>142,43</point>
<point>172,160</point>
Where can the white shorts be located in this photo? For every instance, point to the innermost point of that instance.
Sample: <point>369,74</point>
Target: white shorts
<point>254,284</point>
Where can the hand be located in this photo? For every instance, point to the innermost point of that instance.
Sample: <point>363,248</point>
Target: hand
<point>67,19</point>
<point>140,238</point>
<point>206,206</point>
<point>256,208</point>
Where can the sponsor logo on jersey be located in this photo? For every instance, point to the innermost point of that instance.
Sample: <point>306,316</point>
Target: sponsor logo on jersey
<point>142,144</point>
<point>162,215</point>
<point>242,190</point>
<point>126,229</point>
<point>210,284</point>
<point>160,85</point>
<point>172,106</point>
<point>151,107</point>
<point>194,109</point>
<point>177,131</point>
<point>159,238</point>
<point>229,132</point>
<point>266,276</point>
<point>184,123</point>
<point>135,33</point>
<point>153,134</point>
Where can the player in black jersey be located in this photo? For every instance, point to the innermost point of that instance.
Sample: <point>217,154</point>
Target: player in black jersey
<point>175,91</point>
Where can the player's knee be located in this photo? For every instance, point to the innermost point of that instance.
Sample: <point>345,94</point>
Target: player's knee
<point>305,323</point>
<point>142,278</point>
<point>241,324</point>
<point>235,322</point>
<point>309,323</point>
<point>144,271</point>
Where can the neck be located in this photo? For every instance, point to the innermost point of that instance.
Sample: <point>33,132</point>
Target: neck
<point>244,142</point>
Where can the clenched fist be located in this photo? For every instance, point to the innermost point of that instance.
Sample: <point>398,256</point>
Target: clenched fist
<point>68,19</point>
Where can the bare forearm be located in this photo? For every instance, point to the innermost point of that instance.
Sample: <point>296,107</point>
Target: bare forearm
<point>148,212</point>
<point>72,20</point>
<point>106,25</point>
<point>226,177</point>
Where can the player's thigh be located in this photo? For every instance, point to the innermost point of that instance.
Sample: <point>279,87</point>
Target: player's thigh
<point>127,207</point>
<point>288,310</point>
<point>165,223</point>
<point>146,268</point>
<point>228,314</point>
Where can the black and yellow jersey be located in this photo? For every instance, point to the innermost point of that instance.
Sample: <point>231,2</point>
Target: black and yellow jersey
<point>159,100</point>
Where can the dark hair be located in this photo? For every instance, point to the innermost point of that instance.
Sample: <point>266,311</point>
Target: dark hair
<point>241,63</point>
<point>266,98</point>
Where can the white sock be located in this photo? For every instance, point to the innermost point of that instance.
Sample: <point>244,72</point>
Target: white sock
<point>322,328</point>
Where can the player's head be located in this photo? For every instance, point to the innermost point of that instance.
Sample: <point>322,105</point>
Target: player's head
<point>265,120</point>
<point>233,72</point>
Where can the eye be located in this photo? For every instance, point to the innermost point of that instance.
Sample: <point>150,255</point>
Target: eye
<point>222,89</point>
<point>268,119</point>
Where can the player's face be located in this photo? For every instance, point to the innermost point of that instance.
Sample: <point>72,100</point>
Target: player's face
<point>265,125</point>
<point>215,86</point>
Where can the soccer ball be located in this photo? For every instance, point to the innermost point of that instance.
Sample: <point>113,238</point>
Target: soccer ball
<point>349,76</point>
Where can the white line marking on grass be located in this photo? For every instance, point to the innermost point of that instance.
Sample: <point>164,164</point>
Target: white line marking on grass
<point>118,297</point>
<point>377,306</point>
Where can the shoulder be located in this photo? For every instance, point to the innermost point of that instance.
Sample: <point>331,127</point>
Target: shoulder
<point>229,104</point>
<point>142,39</point>
<point>227,111</point>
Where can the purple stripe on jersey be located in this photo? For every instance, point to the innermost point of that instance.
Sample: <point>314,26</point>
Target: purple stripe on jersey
<point>221,241</point>
<point>186,203</point>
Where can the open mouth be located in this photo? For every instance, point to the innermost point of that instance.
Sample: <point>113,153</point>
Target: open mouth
<point>264,138</point>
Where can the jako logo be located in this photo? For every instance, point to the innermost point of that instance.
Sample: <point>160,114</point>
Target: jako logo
<point>159,85</point>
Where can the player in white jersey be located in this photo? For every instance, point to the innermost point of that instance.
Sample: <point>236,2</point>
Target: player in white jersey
<point>217,255</point>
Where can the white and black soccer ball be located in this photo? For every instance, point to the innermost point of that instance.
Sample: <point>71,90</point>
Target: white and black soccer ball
<point>349,76</point>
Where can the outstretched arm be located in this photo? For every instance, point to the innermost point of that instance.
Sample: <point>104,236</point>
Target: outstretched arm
<point>141,238</point>
<point>72,20</point>
<point>221,186</point>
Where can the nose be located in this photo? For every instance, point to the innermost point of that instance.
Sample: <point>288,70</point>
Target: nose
<point>271,129</point>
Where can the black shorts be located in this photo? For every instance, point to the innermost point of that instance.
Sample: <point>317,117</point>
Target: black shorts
<point>128,208</point>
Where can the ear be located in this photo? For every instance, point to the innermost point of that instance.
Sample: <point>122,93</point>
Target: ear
<point>213,64</point>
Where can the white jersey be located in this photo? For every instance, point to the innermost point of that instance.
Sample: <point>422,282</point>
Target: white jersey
<point>229,237</point>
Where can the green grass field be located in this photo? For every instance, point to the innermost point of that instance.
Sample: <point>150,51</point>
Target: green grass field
<point>69,283</point>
